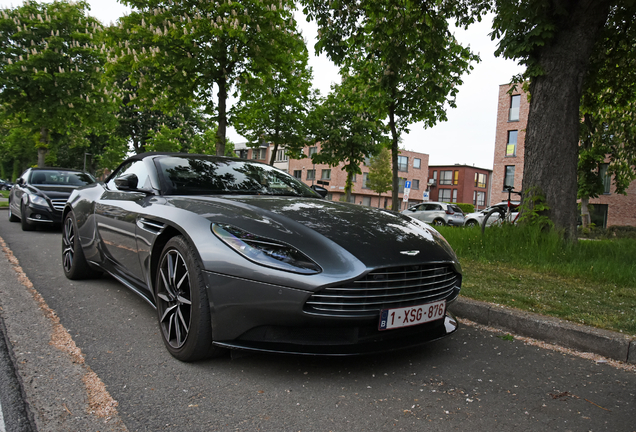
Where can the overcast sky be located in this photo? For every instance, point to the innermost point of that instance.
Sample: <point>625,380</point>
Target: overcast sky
<point>468,137</point>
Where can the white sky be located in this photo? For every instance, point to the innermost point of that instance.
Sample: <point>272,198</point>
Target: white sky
<point>468,137</point>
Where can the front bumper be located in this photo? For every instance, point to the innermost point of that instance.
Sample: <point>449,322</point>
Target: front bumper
<point>262,317</point>
<point>36,214</point>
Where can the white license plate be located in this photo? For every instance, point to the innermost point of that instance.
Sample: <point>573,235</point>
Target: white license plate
<point>408,316</point>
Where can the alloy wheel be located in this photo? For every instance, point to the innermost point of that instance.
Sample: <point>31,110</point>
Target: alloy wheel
<point>174,298</point>
<point>68,244</point>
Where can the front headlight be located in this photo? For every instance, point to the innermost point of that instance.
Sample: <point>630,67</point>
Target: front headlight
<point>38,200</point>
<point>264,251</point>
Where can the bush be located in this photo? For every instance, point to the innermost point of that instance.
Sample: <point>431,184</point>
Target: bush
<point>466,208</point>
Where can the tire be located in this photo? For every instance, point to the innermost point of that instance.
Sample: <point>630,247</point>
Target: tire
<point>26,225</point>
<point>439,222</point>
<point>12,217</point>
<point>494,217</point>
<point>471,223</point>
<point>73,261</point>
<point>182,303</point>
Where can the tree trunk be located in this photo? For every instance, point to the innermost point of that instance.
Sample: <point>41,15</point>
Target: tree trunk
<point>43,148</point>
<point>395,150</point>
<point>221,131</point>
<point>551,145</point>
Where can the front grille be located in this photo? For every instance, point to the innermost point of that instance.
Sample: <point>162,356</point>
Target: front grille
<point>58,203</point>
<point>386,288</point>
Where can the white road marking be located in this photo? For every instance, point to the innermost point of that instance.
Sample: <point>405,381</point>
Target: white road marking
<point>2,426</point>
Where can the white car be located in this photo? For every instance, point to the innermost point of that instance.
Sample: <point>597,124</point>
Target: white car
<point>437,213</point>
<point>475,219</point>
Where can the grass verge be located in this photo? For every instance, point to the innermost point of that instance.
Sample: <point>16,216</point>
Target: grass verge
<point>589,282</point>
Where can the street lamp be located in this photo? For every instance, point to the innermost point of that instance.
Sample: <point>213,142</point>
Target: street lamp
<point>85,160</point>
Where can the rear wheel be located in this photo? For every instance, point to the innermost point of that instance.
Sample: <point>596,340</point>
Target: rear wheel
<point>182,303</point>
<point>439,222</point>
<point>12,217</point>
<point>26,225</point>
<point>73,261</point>
<point>494,217</point>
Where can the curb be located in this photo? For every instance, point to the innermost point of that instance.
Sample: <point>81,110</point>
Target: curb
<point>610,344</point>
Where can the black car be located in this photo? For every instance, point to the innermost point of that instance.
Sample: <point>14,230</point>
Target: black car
<point>238,254</point>
<point>39,195</point>
<point>5,184</point>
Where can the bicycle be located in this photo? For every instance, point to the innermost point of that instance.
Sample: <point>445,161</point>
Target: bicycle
<point>499,216</point>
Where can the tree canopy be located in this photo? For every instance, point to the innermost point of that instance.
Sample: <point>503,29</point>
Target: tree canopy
<point>406,62</point>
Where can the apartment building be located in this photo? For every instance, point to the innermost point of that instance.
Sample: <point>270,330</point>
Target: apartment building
<point>512,118</point>
<point>412,166</point>
<point>460,184</point>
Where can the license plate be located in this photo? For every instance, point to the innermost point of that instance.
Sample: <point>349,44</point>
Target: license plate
<point>408,316</point>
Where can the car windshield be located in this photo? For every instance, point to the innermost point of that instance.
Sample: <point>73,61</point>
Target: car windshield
<point>60,178</point>
<point>202,175</point>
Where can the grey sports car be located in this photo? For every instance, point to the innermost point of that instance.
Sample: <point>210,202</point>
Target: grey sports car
<point>237,254</point>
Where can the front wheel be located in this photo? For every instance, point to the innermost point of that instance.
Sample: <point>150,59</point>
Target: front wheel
<point>182,303</point>
<point>26,225</point>
<point>494,217</point>
<point>439,222</point>
<point>12,217</point>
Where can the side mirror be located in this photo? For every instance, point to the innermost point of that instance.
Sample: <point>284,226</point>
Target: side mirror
<point>320,190</point>
<point>20,181</point>
<point>127,182</point>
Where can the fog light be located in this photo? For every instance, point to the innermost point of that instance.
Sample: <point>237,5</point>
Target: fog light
<point>38,216</point>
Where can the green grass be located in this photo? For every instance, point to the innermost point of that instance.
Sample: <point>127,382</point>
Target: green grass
<point>591,282</point>
<point>4,194</point>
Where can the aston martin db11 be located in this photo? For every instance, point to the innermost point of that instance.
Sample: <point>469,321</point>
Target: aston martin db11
<point>237,254</point>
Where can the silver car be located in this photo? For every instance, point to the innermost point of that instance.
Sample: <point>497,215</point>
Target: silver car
<point>475,219</point>
<point>437,213</point>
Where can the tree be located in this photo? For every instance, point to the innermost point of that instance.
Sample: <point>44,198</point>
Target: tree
<point>274,105</point>
<point>380,177</point>
<point>50,69</point>
<point>205,143</point>
<point>608,131</point>
<point>348,134</point>
<point>196,47</point>
<point>406,62</point>
<point>556,40</point>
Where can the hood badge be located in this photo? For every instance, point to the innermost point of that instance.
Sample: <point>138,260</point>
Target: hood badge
<point>410,253</point>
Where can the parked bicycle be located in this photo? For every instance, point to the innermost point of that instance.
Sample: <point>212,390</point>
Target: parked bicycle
<point>498,216</point>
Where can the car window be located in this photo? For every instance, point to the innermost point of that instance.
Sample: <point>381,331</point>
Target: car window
<point>135,167</point>
<point>59,178</point>
<point>208,175</point>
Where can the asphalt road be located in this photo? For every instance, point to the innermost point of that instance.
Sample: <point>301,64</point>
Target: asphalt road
<point>474,380</point>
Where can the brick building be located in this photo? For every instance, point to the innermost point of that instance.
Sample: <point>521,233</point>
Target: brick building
<point>460,184</point>
<point>412,166</point>
<point>512,117</point>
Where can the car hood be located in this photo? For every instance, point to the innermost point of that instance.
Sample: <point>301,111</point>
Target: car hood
<point>376,237</point>
<point>52,191</point>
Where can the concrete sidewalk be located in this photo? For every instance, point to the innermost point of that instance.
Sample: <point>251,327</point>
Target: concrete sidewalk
<point>614,345</point>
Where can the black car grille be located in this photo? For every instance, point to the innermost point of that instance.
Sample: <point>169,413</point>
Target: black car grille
<point>58,203</point>
<point>386,288</point>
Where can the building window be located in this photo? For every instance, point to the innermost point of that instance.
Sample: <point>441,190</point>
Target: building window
<point>479,198</point>
<point>607,179</point>
<point>259,153</point>
<point>281,156</point>
<point>354,178</point>
<point>326,174</point>
<point>445,195</point>
<point>311,174</point>
<point>511,147</point>
<point>401,182</point>
<point>454,195</point>
<point>365,179</point>
<point>415,184</point>
<point>480,180</point>
<point>456,177</point>
<point>366,200</point>
<point>417,163</point>
<point>509,179</point>
<point>367,161</point>
<point>298,174</point>
<point>403,163</point>
<point>515,101</point>
<point>241,154</point>
<point>445,177</point>
<point>313,150</point>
